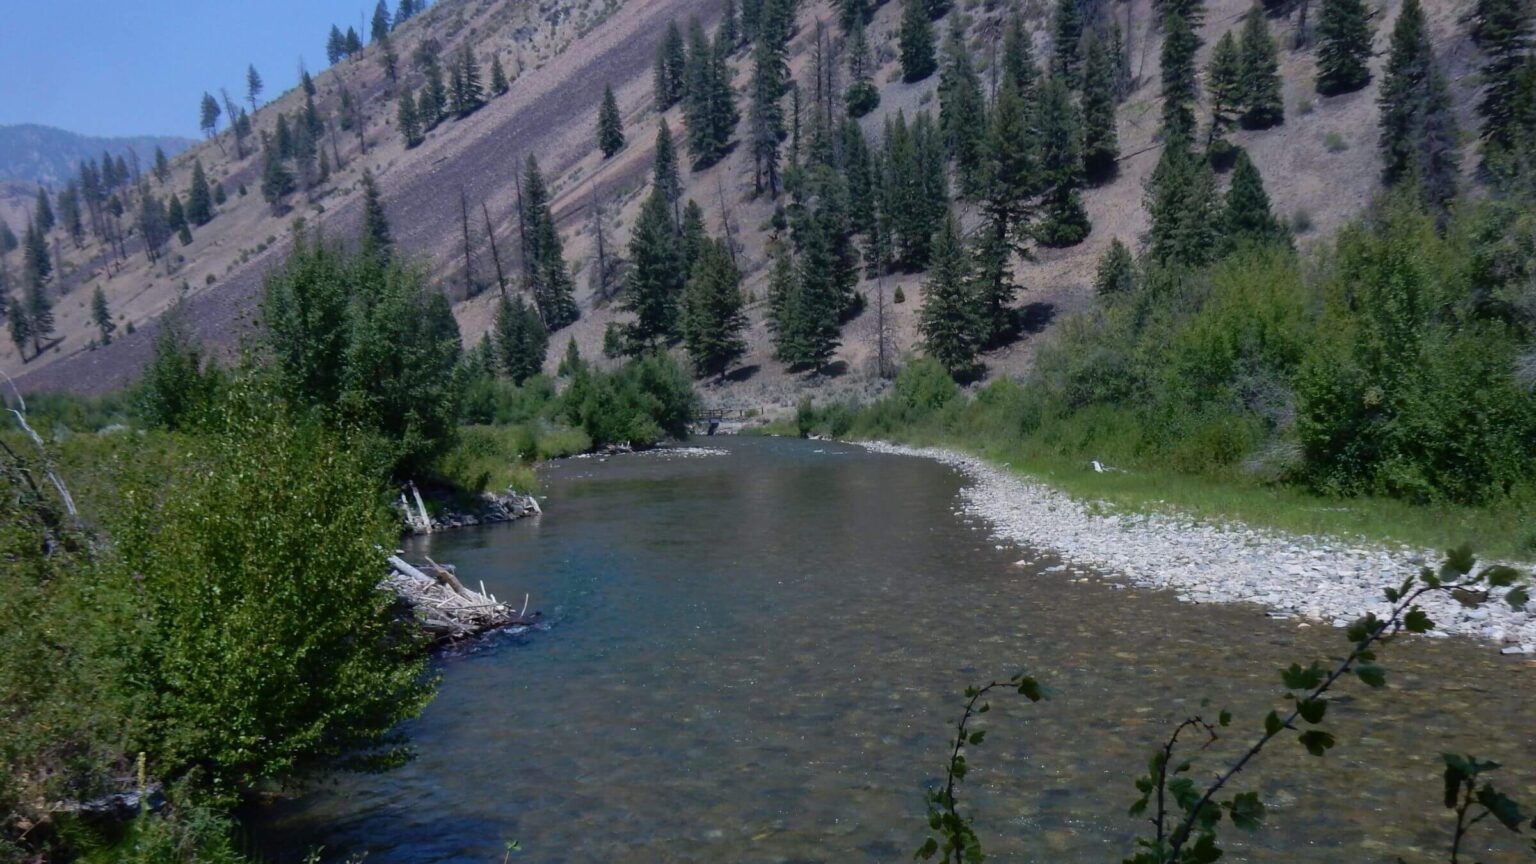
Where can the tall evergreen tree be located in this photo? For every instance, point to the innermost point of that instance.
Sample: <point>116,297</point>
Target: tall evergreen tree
<point>354,43</point>
<point>519,339</point>
<point>1224,82</point>
<point>1009,176</point>
<point>1116,273</point>
<point>208,119</point>
<point>655,277</point>
<point>709,107</point>
<point>18,324</point>
<point>101,316</point>
<point>39,314</point>
<point>1343,47</point>
<point>914,193</point>
<point>403,13</point>
<point>917,52</point>
<point>335,45</point>
<point>379,31</point>
<point>1247,217</point>
<point>69,211</point>
<point>1419,139</point>
<point>770,72</point>
<point>610,125</point>
<point>712,311</point>
<point>8,241</point>
<point>42,211</point>
<point>1066,43</point>
<point>691,236</point>
<point>1019,59</point>
<point>862,96</point>
<point>199,196</point>
<point>276,182</point>
<point>376,236</point>
<point>176,218</point>
<point>1184,209</point>
<point>162,166</point>
<point>949,323</point>
<point>253,85</point>
<point>1502,29</point>
<point>664,173</point>
<point>730,27</point>
<point>551,284</point>
<point>1101,140</point>
<point>1179,86</point>
<point>1063,221</point>
<point>468,94</point>
<point>962,108</point>
<point>406,119</point>
<point>36,265</point>
<point>1262,103</point>
<point>499,83</point>
<point>671,60</point>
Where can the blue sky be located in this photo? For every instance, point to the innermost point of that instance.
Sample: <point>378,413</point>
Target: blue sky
<point>110,67</point>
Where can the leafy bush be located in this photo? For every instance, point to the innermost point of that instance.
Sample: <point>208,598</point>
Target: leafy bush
<point>649,399</point>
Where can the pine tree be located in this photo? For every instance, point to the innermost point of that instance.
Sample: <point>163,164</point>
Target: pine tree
<point>1502,29</point>
<point>914,191</point>
<point>1066,43</point>
<point>1184,210</point>
<point>101,316</point>
<point>1262,103</point>
<point>1019,60</point>
<point>1180,43</point>
<point>162,166</point>
<point>962,110</point>
<point>1224,82</point>
<point>1101,140</point>
<point>39,313</point>
<point>550,278</point>
<point>19,325</point>
<point>730,27</point>
<point>176,218</point>
<point>410,125</point>
<point>1419,139</point>
<point>42,212</point>
<point>655,277</point>
<point>862,96</point>
<point>610,126</point>
<point>499,83</point>
<point>208,119</point>
<point>664,173</point>
<point>199,197</point>
<point>766,120</point>
<point>354,43</point>
<point>36,265</point>
<point>252,85</point>
<point>1343,47</point>
<point>376,236</point>
<point>276,182</point>
<point>69,211</point>
<point>468,94</point>
<point>948,322</point>
<point>403,12</point>
<point>852,13</point>
<point>917,55</point>
<point>335,46</point>
<point>691,236</point>
<point>1247,218</point>
<point>1009,173</point>
<point>379,31</point>
<point>712,311</point>
<point>709,110</point>
<point>1116,273</point>
<point>671,60</point>
<point>8,241</point>
<point>1063,221</point>
<point>859,172</point>
<point>519,339</point>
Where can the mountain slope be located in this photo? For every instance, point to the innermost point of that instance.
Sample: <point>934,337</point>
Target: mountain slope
<point>35,154</point>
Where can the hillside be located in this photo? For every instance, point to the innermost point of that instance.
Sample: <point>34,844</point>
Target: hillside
<point>1320,168</point>
<point>33,154</point>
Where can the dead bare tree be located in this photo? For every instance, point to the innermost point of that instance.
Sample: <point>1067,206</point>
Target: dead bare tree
<point>490,234</point>
<point>469,264</point>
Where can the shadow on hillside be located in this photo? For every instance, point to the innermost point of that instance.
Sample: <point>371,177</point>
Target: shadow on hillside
<point>743,373</point>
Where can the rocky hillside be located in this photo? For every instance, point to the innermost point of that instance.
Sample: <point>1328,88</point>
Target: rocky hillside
<point>33,154</point>
<point>1320,168</point>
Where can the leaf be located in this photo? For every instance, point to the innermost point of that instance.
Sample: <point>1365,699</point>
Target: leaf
<point>1272,724</point>
<point>1312,710</point>
<point>1502,807</point>
<point>1458,562</point>
<point>1225,719</point>
<point>1517,598</point>
<point>976,737</point>
<point>1501,576</point>
<point>1418,621</point>
<point>1297,678</point>
<point>1428,577</point>
<point>1247,811</point>
<point>1316,741</point>
<point>1372,674</point>
<point>1030,689</point>
<point>927,850</point>
<point>1204,851</point>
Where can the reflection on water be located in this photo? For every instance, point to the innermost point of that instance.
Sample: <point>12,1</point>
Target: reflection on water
<point>758,657</point>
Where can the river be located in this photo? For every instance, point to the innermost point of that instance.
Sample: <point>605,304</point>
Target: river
<point>759,656</point>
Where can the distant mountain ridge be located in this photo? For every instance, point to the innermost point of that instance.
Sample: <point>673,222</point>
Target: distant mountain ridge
<point>30,153</point>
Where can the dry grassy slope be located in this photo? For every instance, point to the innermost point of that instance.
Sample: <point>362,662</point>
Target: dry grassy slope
<point>551,112</point>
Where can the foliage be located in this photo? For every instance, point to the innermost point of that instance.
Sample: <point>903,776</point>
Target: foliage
<point>1343,47</point>
<point>178,386</point>
<point>917,45</point>
<point>649,399</point>
<point>610,125</point>
<point>712,311</point>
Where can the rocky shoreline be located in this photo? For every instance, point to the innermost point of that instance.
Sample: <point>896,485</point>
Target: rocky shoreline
<point>1316,579</point>
<point>493,507</point>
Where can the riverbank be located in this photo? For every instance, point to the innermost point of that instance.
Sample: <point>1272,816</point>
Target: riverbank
<point>1313,578</point>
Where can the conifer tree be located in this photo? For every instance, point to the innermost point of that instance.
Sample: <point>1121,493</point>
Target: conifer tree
<point>914,190</point>
<point>852,13</point>
<point>610,125</point>
<point>691,236</point>
<point>859,173</point>
<point>1183,206</point>
<point>468,94</point>
<point>1224,82</point>
<point>276,182</point>
<point>671,60</point>
<point>1008,178</point>
<point>199,197</point>
<point>751,18</point>
<point>1019,60</point>
<point>709,109</point>
<point>432,101</point>
<point>1063,221</point>
<point>176,215</point>
<point>550,278</point>
<point>42,212</point>
<point>8,241</point>
<point>1179,87</point>
<point>962,110</point>
<point>766,121</point>
<point>519,339</point>
<point>655,277</point>
<point>783,288</point>
<point>730,27</point>
<point>917,54</point>
<point>69,211</point>
<point>712,311</point>
<point>664,173</point>
<point>862,96</point>
<point>376,236</point>
<point>403,13</point>
<point>208,119</point>
<point>1066,43</point>
<point>253,85</point>
<point>1116,273</point>
<point>162,166</point>
<point>410,125</point>
<point>1502,29</point>
<point>36,265</point>
<point>948,322</point>
<point>1343,47</point>
<point>1247,218</point>
<point>18,325</point>
<point>335,45</point>
<point>938,8</point>
<point>101,316</point>
<point>1101,140</point>
<point>499,83</point>
<point>379,31</point>
<point>354,43</point>
<point>1419,139</point>
<point>1262,103</point>
<point>39,314</point>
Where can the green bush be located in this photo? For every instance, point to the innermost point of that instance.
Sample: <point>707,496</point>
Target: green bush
<point>649,399</point>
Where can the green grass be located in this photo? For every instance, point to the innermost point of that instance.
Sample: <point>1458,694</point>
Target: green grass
<point>486,457</point>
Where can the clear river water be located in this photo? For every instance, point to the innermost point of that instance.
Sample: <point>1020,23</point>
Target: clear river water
<point>759,657</point>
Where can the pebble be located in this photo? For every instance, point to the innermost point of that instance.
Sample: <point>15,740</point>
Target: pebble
<point>1293,576</point>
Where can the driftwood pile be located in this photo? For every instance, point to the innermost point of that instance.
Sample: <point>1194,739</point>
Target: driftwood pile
<point>493,507</point>
<point>447,609</point>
